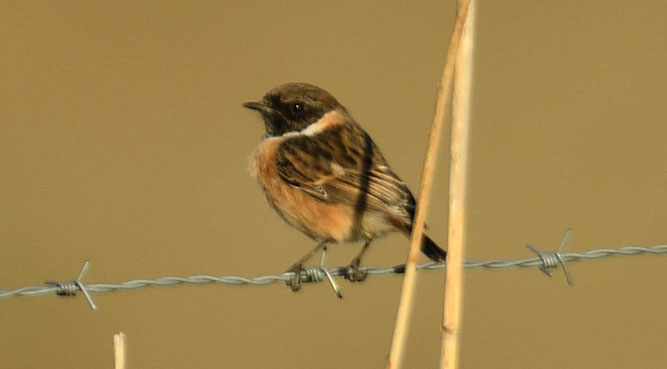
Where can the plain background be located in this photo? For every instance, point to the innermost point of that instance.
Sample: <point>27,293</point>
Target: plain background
<point>123,140</point>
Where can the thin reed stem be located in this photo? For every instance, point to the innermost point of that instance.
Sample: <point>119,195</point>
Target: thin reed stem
<point>458,174</point>
<point>409,281</point>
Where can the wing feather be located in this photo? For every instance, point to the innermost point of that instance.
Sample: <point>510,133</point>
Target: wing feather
<point>343,165</point>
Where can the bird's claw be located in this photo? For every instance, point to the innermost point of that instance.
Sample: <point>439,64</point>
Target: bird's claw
<point>353,274</point>
<point>294,283</point>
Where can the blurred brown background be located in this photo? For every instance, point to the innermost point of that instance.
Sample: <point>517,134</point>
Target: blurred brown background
<point>122,140</point>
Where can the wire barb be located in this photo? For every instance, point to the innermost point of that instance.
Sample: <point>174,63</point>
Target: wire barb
<point>70,288</point>
<point>313,274</point>
<point>551,259</point>
<point>323,268</point>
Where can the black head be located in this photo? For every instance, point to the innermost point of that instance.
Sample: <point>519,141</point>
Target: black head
<point>292,107</point>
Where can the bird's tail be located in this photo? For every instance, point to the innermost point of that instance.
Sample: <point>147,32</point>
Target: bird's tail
<point>432,250</point>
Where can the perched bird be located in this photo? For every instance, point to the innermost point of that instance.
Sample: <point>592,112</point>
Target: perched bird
<point>326,177</point>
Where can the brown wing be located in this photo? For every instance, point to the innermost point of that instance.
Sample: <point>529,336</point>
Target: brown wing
<point>343,165</point>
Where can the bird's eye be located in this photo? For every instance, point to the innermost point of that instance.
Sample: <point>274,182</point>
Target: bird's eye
<point>297,108</point>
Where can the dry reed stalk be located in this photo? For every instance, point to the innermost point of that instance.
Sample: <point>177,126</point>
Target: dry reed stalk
<point>409,281</point>
<point>119,350</point>
<point>458,168</point>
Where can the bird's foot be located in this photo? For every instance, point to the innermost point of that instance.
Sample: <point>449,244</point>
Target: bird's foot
<point>353,274</point>
<point>295,282</point>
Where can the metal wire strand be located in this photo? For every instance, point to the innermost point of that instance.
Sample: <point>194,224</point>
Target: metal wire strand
<point>313,276</point>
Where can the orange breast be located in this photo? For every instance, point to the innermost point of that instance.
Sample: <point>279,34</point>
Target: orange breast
<point>315,218</point>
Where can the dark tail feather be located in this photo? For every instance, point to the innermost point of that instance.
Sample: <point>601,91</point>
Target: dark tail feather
<point>432,250</point>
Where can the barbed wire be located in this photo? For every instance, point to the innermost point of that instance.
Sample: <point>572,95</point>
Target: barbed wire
<point>545,260</point>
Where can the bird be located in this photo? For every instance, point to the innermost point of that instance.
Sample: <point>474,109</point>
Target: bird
<point>325,176</point>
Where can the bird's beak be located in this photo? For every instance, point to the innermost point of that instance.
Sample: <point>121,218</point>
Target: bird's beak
<point>265,110</point>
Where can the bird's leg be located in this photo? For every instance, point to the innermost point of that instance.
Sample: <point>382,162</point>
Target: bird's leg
<point>295,283</point>
<point>353,274</point>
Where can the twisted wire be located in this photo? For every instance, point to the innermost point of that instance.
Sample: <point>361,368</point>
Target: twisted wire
<point>317,274</point>
<point>65,288</point>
